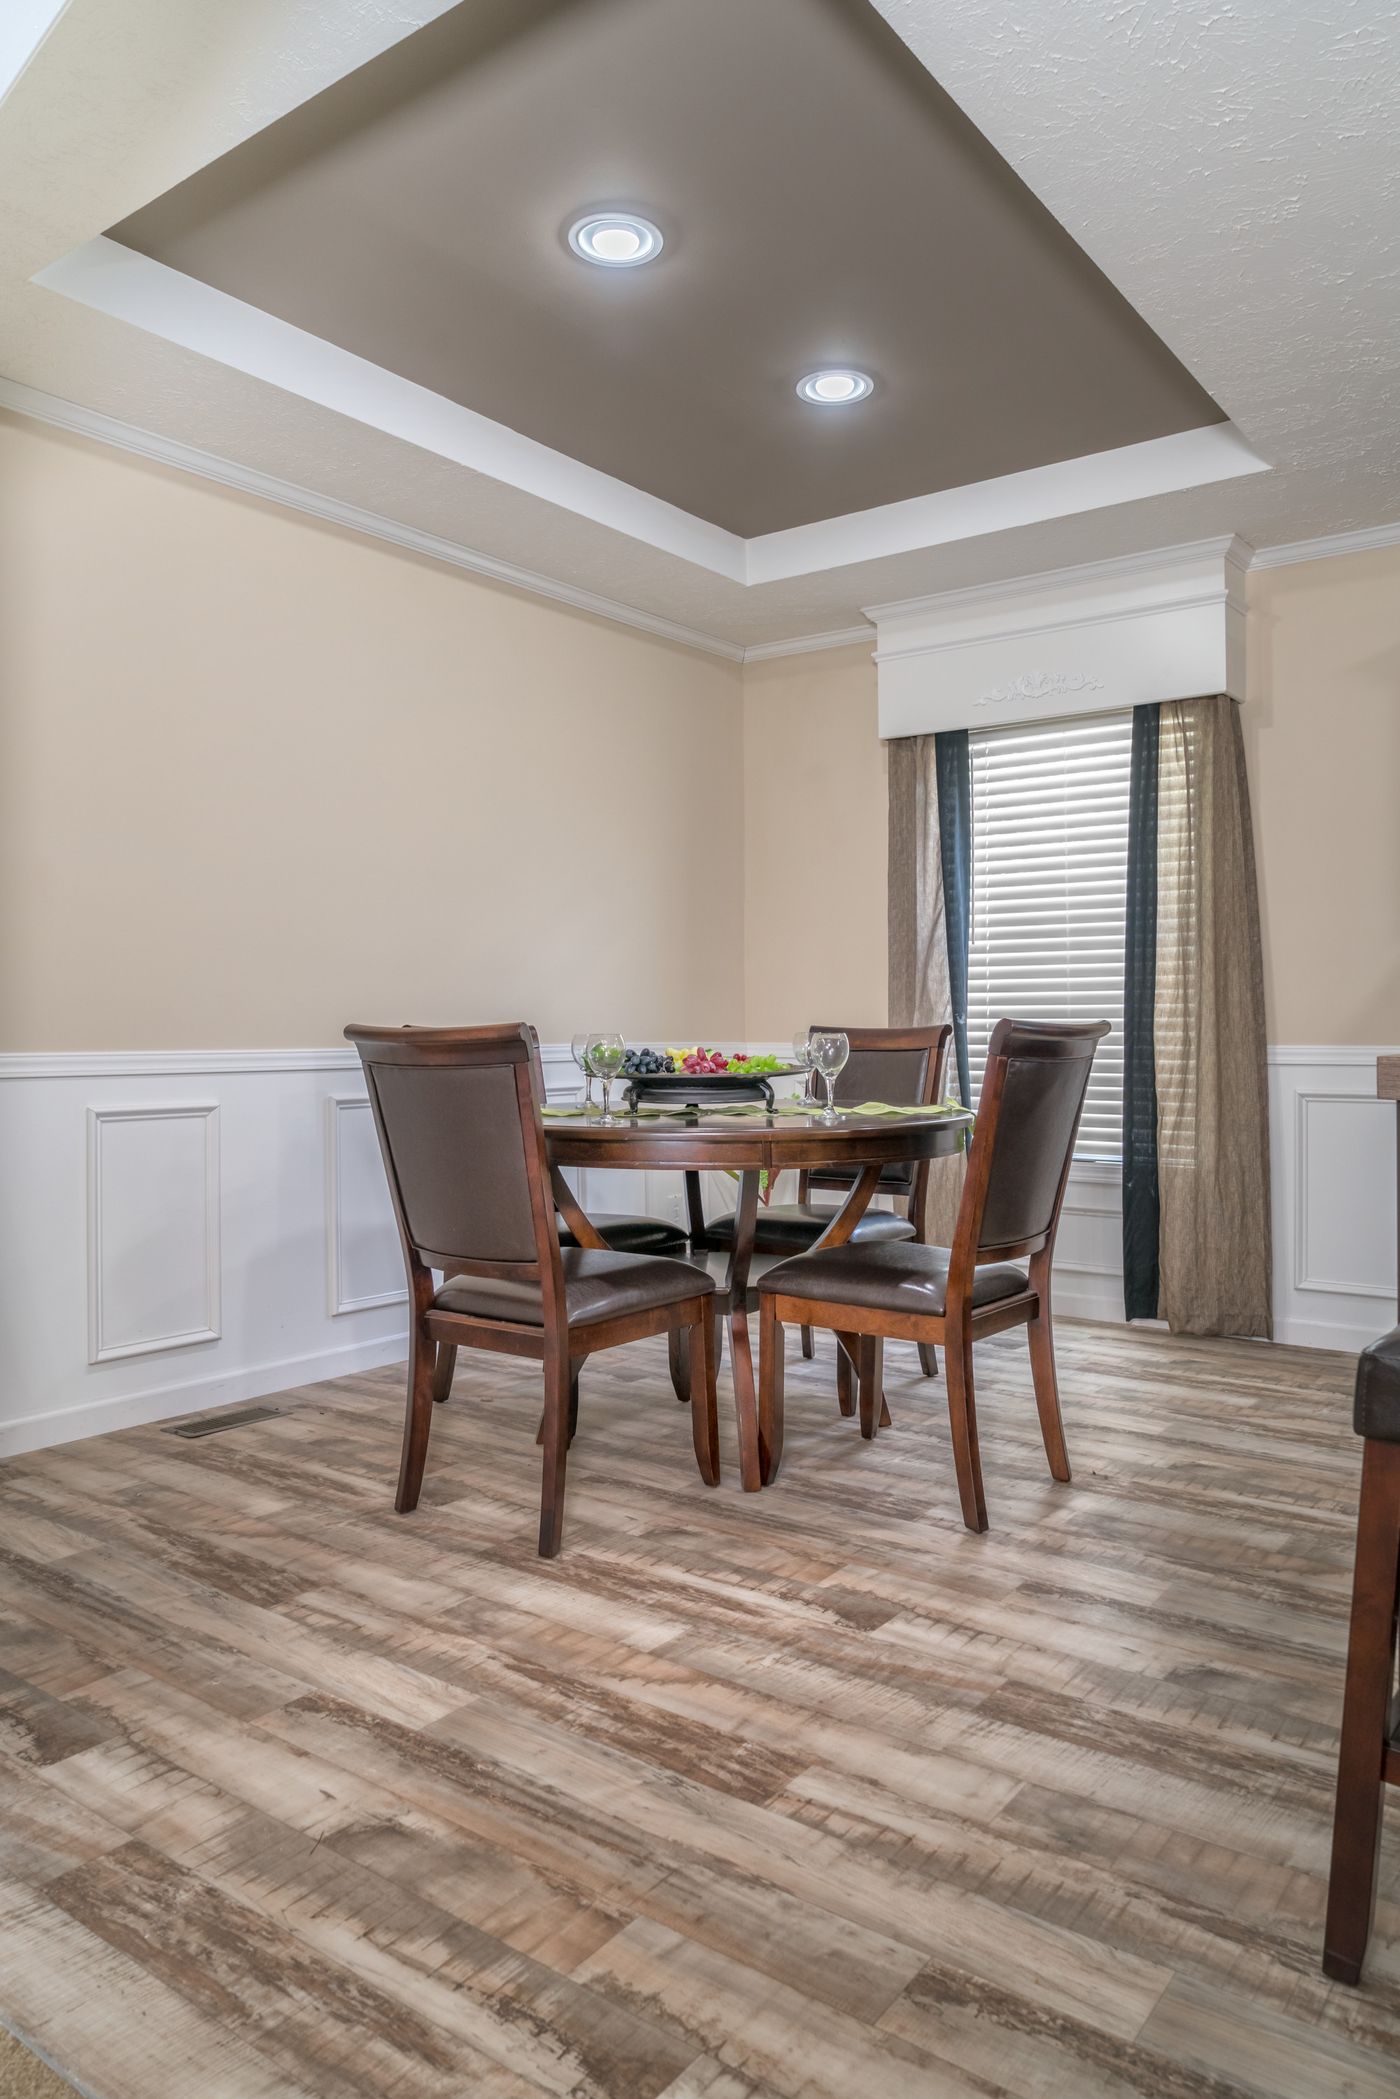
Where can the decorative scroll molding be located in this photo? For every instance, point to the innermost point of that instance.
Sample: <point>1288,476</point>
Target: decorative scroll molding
<point>1040,685</point>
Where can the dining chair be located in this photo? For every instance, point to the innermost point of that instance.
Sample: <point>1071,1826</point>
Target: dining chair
<point>1369,1756</point>
<point>903,1066</point>
<point>458,1116</point>
<point>1033,1090</point>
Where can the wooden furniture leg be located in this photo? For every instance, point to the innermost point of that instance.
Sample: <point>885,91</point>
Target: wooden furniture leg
<point>770,1391</point>
<point>417,1420</point>
<point>1366,1758</point>
<point>1040,1335</point>
<point>962,1416</point>
<point>442,1373</point>
<point>928,1358</point>
<point>740,1347</point>
<point>704,1402</point>
<point>809,1347</point>
<point>558,1382</point>
<point>678,1351</point>
<point>871,1364</point>
<point>847,1357</point>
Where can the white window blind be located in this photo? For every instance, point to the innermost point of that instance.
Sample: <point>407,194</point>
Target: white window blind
<point>1049,894</point>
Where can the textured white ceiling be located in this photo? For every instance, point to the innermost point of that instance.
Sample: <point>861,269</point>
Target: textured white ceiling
<point>1230,166</point>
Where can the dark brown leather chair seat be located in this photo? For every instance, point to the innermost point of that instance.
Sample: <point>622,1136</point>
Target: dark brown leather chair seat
<point>790,1228</point>
<point>1377,1412</point>
<point>889,1278</point>
<point>596,1286</point>
<point>633,1235</point>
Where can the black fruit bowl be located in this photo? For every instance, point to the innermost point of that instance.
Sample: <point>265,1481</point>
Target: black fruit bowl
<point>698,1088</point>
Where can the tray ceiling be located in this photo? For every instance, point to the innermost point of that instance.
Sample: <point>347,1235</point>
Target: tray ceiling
<point>823,201</point>
<point>1153,137</point>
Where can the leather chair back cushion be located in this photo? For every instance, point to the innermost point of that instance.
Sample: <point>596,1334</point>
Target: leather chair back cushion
<point>455,1137</point>
<point>893,1075</point>
<point>1035,1129</point>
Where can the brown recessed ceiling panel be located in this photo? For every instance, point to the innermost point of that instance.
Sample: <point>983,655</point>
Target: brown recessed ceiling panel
<point>822,202</point>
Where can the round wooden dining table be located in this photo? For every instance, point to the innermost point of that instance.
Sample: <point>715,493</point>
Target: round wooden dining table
<point>747,1143</point>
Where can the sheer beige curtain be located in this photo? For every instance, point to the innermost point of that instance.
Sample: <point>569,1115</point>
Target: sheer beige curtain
<point>918,955</point>
<point>1208,1034</point>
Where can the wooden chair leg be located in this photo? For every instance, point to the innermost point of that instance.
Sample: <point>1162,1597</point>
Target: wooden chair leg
<point>871,1360</point>
<point>771,1366</point>
<point>1351,1888</point>
<point>1047,1393</point>
<point>418,1419</point>
<point>928,1358</point>
<point>574,1369</point>
<point>678,1350</point>
<point>704,1401</point>
<point>442,1373</point>
<point>886,1418</point>
<point>558,1381</point>
<point>846,1346</point>
<point>809,1345</point>
<point>962,1416</point>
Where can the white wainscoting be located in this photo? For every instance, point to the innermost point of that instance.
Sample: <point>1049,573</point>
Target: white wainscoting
<point>1088,1281</point>
<point>188,1230</point>
<point>153,1212</point>
<point>1334,1188</point>
<point>185,1230</point>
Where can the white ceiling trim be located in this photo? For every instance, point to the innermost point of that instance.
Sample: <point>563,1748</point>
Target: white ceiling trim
<point>188,459</point>
<point>1329,546</point>
<point>133,288</point>
<point>151,296</point>
<point>1159,466</point>
<point>809,644</point>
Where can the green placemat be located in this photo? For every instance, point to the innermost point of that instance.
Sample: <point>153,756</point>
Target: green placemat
<point>886,1108</point>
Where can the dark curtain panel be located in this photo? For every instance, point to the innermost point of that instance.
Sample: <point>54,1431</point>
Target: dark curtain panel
<point>1141,1199</point>
<point>954,769</point>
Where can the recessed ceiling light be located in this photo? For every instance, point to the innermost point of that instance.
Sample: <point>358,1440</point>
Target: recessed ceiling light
<point>617,239</point>
<point>836,388</point>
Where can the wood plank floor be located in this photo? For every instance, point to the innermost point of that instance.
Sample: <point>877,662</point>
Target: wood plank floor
<point>808,1794</point>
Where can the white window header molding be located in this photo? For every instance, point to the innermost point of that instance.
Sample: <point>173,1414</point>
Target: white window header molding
<point>1110,635</point>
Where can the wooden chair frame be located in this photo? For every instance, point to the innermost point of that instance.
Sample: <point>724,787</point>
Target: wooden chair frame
<point>862,1331</point>
<point>1369,1757</point>
<point>435,1334</point>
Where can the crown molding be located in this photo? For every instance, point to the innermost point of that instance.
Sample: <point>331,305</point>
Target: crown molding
<point>1329,546</point>
<point>1079,578</point>
<point>269,488</point>
<point>809,644</point>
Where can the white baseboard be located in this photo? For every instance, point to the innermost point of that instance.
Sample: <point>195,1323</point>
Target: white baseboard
<point>98,1417</point>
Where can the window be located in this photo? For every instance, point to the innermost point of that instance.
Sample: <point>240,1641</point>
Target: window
<point>1049,894</point>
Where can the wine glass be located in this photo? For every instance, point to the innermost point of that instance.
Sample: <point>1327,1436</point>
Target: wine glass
<point>830,1049</point>
<point>802,1056</point>
<point>578,1050</point>
<point>605,1054</point>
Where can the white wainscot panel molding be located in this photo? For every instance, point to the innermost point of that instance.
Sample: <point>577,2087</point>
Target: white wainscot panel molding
<point>1088,1275</point>
<point>153,1228</point>
<point>364,1260</point>
<point>1334,1196</point>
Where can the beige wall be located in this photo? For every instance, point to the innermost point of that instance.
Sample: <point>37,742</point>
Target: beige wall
<point>259,777</point>
<point>814,851</point>
<point>1322,734</point>
<point>1322,730</point>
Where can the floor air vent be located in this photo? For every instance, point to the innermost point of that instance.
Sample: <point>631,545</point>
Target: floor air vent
<point>217,1423</point>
